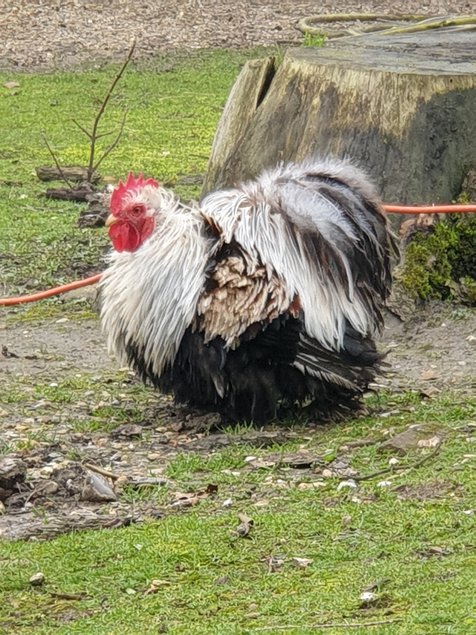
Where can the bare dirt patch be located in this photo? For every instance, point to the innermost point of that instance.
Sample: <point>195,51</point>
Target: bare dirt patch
<point>134,442</point>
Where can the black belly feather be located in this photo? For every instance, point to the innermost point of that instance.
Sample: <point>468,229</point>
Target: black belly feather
<point>257,380</point>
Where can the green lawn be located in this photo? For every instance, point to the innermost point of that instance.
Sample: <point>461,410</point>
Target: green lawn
<point>417,549</point>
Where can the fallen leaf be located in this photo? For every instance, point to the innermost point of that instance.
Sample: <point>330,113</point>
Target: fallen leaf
<point>347,484</point>
<point>429,375</point>
<point>312,485</point>
<point>301,563</point>
<point>244,528</point>
<point>432,442</point>
<point>222,580</point>
<point>274,563</point>
<point>155,585</point>
<point>185,500</point>
<point>128,431</point>
<point>434,551</point>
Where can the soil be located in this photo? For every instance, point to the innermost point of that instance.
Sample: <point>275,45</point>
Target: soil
<point>60,469</point>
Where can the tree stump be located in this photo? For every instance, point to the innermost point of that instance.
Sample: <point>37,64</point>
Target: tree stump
<point>403,107</point>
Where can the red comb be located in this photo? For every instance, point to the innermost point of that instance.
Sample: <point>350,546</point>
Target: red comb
<point>122,189</point>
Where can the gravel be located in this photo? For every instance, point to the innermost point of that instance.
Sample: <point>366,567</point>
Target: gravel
<point>48,34</point>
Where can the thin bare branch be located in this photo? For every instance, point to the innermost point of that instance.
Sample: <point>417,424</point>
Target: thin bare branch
<point>113,144</point>
<point>83,129</point>
<point>102,471</point>
<point>343,625</point>
<point>399,468</point>
<point>91,166</point>
<point>104,134</point>
<point>55,159</point>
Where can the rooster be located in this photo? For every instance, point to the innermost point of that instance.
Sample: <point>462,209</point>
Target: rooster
<point>262,298</point>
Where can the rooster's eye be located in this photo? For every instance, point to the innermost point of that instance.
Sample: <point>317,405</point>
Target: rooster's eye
<point>137,210</point>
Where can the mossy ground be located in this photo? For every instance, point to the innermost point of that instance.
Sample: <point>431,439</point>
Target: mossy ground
<point>441,262</point>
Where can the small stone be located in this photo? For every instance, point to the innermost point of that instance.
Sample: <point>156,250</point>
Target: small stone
<point>96,489</point>
<point>49,488</point>
<point>37,579</point>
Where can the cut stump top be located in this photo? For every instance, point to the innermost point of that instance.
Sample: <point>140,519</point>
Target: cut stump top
<point>437,52</point>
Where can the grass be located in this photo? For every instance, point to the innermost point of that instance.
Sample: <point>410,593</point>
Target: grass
<point>418,548</point>
<point>174,106</point>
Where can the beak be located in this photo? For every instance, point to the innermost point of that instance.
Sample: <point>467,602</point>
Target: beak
<point>110,220</point>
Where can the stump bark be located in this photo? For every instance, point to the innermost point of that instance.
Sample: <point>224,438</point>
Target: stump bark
<point>403,107</point>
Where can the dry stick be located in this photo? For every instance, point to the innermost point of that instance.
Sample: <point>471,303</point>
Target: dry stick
<point>396,468</point>
<point>93,134</point>
<point>55,159</point>
<point>102,471</point>
<point>328,625</point>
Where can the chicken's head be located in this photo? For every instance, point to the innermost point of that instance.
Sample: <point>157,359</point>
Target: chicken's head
<point>132,217</point>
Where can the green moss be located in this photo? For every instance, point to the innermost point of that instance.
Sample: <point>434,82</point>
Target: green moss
<point>442,264</point>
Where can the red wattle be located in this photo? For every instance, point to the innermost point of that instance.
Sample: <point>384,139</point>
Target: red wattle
<point>124,236</point>
<point>127,236</point>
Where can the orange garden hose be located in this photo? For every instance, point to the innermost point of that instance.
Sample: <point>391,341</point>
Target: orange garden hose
<point>429,209</point>
<point>77,284</point>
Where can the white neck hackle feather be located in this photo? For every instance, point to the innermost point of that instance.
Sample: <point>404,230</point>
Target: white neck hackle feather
<point>149,297</point>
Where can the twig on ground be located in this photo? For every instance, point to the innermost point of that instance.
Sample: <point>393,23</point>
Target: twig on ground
<point>398,468</point>
<point>102,471</point>
<point>329,625</point>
